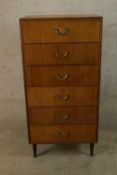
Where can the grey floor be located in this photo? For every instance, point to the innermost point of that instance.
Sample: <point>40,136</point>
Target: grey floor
<point>16,154</point>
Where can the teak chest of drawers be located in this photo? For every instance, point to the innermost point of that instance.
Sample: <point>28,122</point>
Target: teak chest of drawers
<point>61,62</point>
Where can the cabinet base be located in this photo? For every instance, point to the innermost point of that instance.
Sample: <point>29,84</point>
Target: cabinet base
<point>34,146</point>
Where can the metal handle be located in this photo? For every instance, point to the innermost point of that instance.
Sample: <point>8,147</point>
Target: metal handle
<point>59,31</point>
<point>63,134</point>
<point>62,55</point>
<point>62,116</point>
<point>63,97</point>
<point>62,77</point>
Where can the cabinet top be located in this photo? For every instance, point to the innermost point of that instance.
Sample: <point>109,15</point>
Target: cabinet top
<point>60,16</point>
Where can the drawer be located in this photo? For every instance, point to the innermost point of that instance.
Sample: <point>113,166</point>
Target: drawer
<point>62,30</point>
<point>62,96</point>
<point>61,75</point>
<point>65,134</point>
<point>60,54</point>
<point>60,115</point>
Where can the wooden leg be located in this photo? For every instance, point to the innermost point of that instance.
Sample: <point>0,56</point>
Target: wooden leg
<point>34,150</point>
<point>91,149</point>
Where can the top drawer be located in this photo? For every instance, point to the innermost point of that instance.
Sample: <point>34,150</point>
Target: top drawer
<point>61,30</point>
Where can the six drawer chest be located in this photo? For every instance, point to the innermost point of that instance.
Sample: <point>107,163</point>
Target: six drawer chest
<point>61,64</point>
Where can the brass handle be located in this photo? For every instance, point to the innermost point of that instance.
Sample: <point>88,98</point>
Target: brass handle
<point>62,55</point>
<point>63,134</point>
<point>62,77</point>
<point>59,31</point>
<point>62,117</point>
<point>63,97</point>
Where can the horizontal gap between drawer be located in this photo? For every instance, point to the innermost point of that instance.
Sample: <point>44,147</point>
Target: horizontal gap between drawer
<point>63,106</point>
<point>63,86</point>
<point>61,65</point>
<point>70,106</point>
<point>61,42</point>
<point>63,124</point>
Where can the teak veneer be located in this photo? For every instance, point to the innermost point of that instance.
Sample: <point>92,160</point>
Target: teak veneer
<point>61,64</point>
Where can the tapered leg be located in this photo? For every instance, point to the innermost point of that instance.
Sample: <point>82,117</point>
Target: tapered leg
<point>34,150</point>
<point>91,149</point>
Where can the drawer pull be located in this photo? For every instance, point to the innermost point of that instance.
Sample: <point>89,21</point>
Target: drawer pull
<point>63,97</point>
<point>58,31</point>
<point>63,117</point>
<point>62,55</point>
<point>62,77</point>
<point>63,134</point>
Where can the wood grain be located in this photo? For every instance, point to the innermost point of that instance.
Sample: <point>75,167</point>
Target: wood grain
<point>62,75</point>
<point>57,134</point>
<point>42,31</point>
<point>48,96</point>
<point>62,111</point>
<point>62,115</point>
<point>45,54</point>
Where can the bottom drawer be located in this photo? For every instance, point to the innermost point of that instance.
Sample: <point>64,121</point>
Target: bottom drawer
<point>63,134</point>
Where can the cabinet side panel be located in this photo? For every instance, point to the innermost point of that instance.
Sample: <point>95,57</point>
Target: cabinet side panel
<point>24,79</point>
<point>100,54</point>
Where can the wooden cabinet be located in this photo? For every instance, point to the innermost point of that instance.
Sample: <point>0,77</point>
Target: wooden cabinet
<point>61,63</point>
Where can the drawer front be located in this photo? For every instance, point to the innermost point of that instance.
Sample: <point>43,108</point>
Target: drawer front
<point>60,54</point>
<point>61,75</point>
<point>47,31</point>
<point>65,134</point>
<point>60,115</point>
<point>63,96</point>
